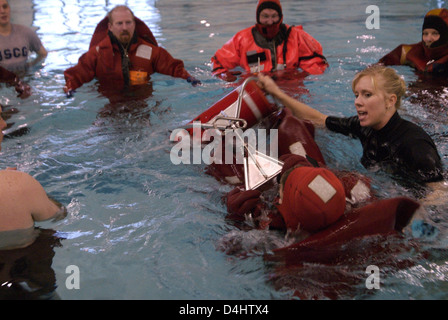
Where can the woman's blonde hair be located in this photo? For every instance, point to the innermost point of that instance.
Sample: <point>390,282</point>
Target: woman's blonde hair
<point>389,81</point>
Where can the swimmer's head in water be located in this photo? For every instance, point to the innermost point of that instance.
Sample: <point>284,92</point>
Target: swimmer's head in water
<point>312,199</point>
<point>435,28</point>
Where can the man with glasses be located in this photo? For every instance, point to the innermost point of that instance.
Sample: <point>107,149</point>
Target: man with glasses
<point>268,46</point>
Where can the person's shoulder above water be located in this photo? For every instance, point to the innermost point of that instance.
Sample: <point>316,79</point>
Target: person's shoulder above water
<point>22,29</point>
<point>23,201</point>
<point>420,151</point>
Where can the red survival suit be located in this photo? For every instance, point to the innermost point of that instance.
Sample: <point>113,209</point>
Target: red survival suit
<point>353,187</point>
<point>294,48</point>
<point>296,146</point>
<point>420,57</point>
<point>432,59</point>
<point>364,214</point>
<point>104,60</point>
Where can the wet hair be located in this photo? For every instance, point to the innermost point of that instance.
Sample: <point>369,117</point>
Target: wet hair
<point>119,7</point>
<point>383,78</point>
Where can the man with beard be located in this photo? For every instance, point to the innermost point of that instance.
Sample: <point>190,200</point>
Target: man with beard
<point>123,58</point>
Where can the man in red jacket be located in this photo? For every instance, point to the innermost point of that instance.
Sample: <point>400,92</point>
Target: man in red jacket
<point>268,46</point>
<point>123,58</point>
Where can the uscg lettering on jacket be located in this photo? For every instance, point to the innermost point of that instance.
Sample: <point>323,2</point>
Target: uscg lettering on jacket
<point>144,51</point>
<point>13,53</point>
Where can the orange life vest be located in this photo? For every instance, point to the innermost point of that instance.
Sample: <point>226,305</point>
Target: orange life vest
<point>299,50</point>
<point>103,60</point>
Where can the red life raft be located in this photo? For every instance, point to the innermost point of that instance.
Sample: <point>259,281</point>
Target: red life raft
<point>247,102</point>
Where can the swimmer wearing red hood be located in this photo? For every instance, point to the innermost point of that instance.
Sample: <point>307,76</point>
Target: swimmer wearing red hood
<point>315,205</point>
<point>310,196</point>
<point>268,46</point>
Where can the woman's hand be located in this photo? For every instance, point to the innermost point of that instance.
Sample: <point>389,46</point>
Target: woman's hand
<point>266,83</point>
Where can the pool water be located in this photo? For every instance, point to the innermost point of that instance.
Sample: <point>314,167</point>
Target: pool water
<point>140,227</point>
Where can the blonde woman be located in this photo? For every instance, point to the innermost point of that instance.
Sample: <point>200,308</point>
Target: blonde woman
<point>390,142</point>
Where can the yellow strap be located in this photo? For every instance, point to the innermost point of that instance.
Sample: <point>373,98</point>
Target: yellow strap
<point>138,77</point>
<point>404,51</point>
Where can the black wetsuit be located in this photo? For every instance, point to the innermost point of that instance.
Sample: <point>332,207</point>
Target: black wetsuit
<point>400,147</point>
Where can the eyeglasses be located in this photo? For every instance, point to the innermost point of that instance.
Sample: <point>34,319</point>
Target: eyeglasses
<point>267,16</point>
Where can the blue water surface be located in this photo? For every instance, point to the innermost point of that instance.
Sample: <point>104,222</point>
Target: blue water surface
<point>140,227</point>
